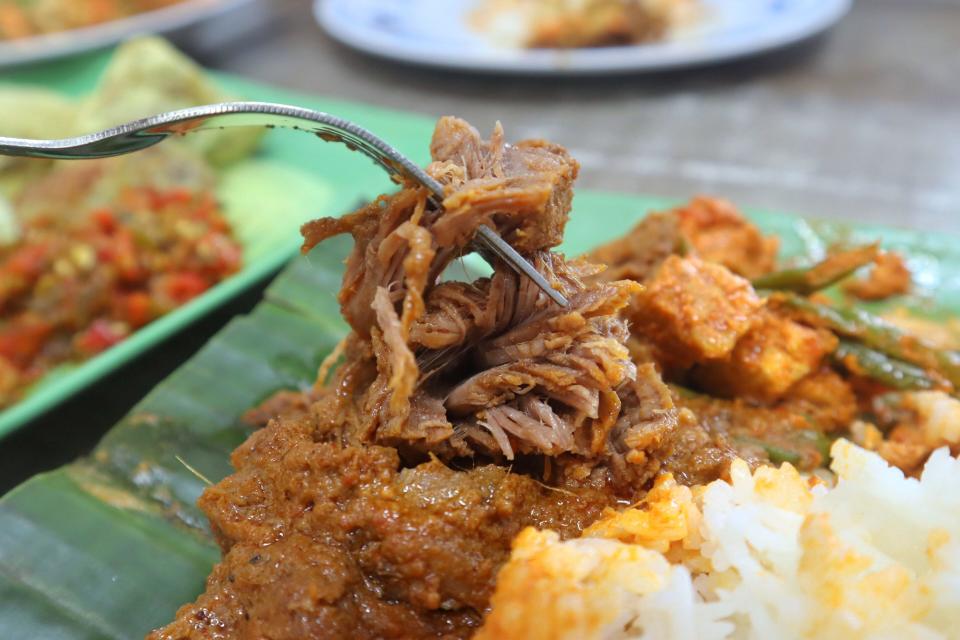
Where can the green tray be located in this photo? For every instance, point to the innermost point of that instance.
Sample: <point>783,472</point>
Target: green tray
<point>293,178</point>
<point>111,545</point>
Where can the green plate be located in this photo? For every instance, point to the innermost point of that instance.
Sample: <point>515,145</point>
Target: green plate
<point>294,178</point>
<point>111,545</point>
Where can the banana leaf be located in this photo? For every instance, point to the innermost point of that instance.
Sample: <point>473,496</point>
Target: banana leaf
<point>111,545</point>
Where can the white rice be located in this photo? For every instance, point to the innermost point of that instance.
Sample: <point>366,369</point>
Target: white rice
<point>768,555</point>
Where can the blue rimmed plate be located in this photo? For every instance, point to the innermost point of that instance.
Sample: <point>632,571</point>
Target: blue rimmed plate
<point>439,34</point>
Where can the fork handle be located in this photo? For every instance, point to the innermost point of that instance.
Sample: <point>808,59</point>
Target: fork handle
<point>140,134</point>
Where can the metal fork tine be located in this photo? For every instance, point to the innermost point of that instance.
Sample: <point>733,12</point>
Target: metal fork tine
<point>508,254</point>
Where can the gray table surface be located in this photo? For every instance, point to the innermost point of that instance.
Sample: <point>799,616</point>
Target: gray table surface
<point>862,123</point>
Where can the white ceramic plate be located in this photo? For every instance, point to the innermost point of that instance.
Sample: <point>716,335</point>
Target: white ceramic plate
<point>65,43</point>
<point>436,33</point>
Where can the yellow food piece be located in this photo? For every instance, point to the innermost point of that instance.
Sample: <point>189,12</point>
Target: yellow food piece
<point>570,586</point>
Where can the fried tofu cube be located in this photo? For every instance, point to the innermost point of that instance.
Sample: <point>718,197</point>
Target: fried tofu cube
<point>695,311</point>
<point>773,356</point>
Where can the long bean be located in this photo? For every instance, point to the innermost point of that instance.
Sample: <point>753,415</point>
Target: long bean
<point>820,440</point>
<point>876,334</point>
<point>883,368</point>
<point>776,454</point>
<point>807,280</point>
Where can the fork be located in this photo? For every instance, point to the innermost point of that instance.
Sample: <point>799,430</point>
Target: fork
<point>147,132</point>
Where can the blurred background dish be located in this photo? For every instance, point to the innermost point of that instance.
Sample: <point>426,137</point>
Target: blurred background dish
<point>512,36</point>
<point>34,30</point>
<point>26,18</point>
<point>102,259</point>
<point>577,24</point>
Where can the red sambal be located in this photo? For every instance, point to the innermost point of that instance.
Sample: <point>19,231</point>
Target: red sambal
<point>75,285</point>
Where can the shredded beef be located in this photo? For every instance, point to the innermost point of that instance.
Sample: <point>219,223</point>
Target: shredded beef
<point>490,368</point>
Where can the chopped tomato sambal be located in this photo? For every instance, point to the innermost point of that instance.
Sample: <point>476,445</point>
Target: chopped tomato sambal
<point>76,284</point>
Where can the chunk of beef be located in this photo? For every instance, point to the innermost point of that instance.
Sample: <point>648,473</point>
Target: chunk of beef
<point>657,436</point>
<point>491,368</point>
<point>522,190</point>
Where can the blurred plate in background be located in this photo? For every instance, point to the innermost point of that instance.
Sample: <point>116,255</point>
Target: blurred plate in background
<point>66,43</point>
<point>438,34</point>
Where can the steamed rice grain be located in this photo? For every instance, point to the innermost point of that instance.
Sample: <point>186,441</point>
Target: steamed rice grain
<point>769,554</point>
